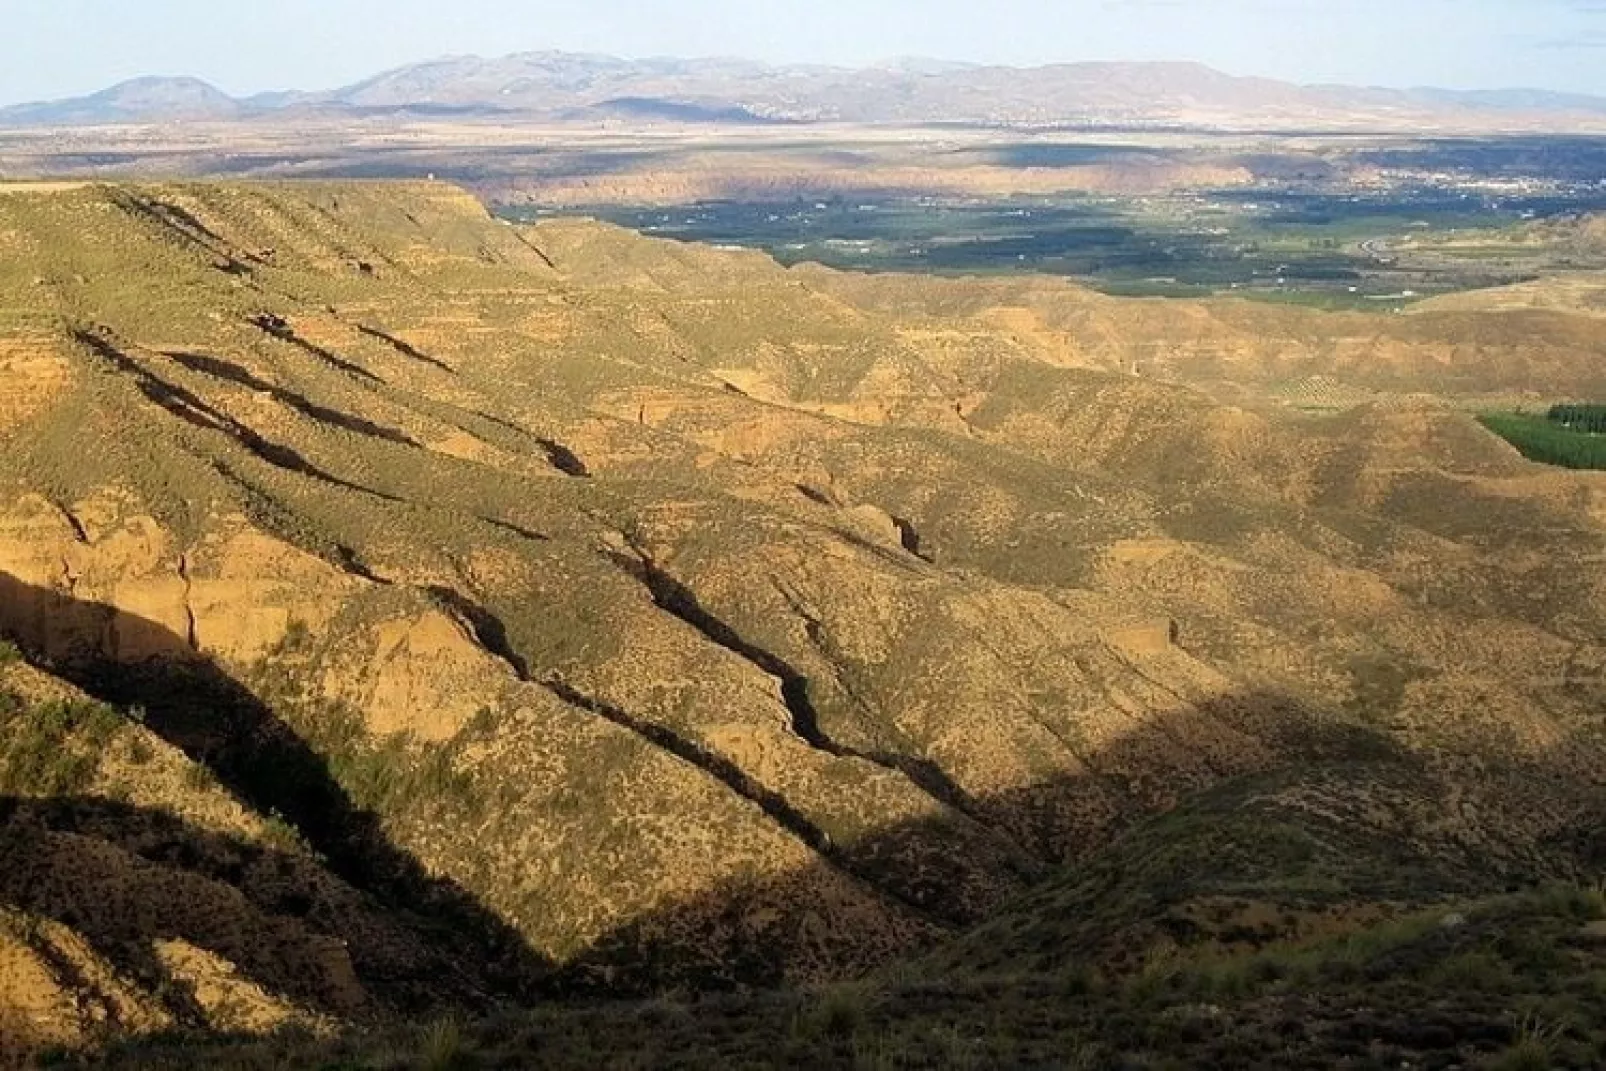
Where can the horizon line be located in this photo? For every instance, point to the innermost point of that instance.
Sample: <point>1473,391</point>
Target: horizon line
<point>890,64</point>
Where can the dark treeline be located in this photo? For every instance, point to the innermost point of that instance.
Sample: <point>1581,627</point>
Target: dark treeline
<point>1589,417</point>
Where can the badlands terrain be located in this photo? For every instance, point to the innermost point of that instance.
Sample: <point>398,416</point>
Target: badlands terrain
<point>440,642</point>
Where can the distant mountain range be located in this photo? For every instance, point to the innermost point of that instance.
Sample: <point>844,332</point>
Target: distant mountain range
<point>559,86</point>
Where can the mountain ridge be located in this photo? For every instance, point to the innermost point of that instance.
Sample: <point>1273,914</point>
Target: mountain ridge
<point>567,86</point>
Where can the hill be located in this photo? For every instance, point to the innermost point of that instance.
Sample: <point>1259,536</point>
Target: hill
<point>417,615</point>
<point>590,88</point>
<point>140,100</point>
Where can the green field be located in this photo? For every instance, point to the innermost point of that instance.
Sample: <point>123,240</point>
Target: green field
<point>1337,250</point>
<point>1552,439</point>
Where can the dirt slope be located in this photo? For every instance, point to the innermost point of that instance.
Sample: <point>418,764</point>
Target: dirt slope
<point>644,614</point>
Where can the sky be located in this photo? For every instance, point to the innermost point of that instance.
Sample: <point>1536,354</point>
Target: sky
<point>56,48</point>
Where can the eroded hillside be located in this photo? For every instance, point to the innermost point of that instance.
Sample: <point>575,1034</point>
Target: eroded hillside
<point>599,614</point>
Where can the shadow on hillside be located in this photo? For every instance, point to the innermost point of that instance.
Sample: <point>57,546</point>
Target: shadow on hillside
<point>1314,845</point>
<point>228,371</point>
<point>126,878</point>
<point>197,412</point>
<point>1338,815</point>
<point>278,327</point>
<point>192,703</point>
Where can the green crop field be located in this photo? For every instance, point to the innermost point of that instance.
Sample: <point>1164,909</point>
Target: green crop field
<point>1554,439</point>
<point>1336,250</point>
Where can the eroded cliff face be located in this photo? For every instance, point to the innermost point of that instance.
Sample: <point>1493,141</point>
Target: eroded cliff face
<point>656,614</point>
<point>231,593</point>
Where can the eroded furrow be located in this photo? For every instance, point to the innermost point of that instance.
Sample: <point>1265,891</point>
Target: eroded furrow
<point>230,372</point>
<point>278,327</point>
<point>486,626</point>
<point>492,634</point>
<point>404,348</point>
<point>197,412</point>
<point>722,769</point>
<point>676,599</point>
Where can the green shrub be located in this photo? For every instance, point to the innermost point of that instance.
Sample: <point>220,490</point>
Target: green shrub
<point>140,751</point>
<point>279,832</point>
<point>53,748</point>
<point>1578,902</point>
<point>443,1047</point>
<point>198,777</point>
<point>1528,1055</point>
<point>837,1013</point>
<point>297,636</point>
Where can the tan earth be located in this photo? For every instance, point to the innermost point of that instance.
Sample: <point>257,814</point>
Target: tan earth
<point>528,610</point>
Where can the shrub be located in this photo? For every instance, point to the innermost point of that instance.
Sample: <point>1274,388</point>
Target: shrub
<point>279,832</point>
<point>53,748</point>
<point>1532,1049</point>
<point>198,777</point>
<point>836,1014</point>
<point>140,751</point>
<point>442,1047</point>
<point>297,636</point>
<point>1524,1056</point>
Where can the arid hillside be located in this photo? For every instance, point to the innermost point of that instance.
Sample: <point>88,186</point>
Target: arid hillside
<point>414,612</point>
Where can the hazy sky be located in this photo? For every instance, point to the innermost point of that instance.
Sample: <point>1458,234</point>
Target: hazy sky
<point>52,48</point>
